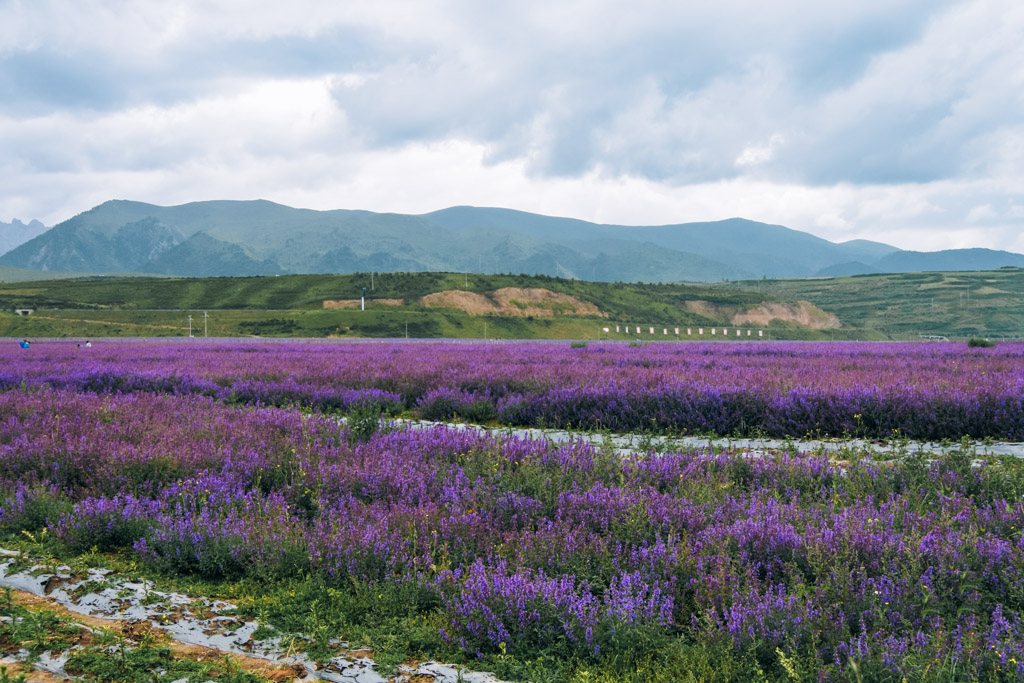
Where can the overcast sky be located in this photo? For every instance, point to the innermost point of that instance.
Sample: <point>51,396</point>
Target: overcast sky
<point>895,120</point>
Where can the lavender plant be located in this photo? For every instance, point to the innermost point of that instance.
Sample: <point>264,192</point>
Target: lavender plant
<point>919,391</point>
<point>514,550</point>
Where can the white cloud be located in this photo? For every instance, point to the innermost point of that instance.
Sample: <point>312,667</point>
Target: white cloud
<point>982,212</point>
<point>756,155</point>
<point>896,120</point>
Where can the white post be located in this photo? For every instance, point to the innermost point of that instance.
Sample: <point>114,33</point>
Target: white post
<point>190,325</point>
<point>205,316</point>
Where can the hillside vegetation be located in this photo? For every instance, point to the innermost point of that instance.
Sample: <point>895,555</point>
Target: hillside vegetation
<point>328,305</point>
<point>902,305</point>
<point>428,305</point>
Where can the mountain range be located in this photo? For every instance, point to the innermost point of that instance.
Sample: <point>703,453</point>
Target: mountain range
<point>229,238</point>
<point>16,233</point>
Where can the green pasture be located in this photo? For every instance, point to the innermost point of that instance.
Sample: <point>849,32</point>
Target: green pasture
<point>904,305</point>
<point>872,307</point>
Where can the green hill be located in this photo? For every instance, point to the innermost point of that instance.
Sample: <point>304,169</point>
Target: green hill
<point>907,305</point>
<point>903,306</point>
<point>293,305</point>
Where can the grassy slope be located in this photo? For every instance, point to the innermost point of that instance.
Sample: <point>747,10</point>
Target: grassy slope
<point>9,274</point>
<point>899,306</point>
<point>308,291</point>
<point>292,306</point>
<point>905,305</point>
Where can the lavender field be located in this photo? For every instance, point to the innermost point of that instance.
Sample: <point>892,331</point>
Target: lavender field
<point>226,463</point>
<point>872,390</point>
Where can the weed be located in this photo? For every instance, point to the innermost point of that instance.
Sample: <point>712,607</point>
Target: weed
<point>363,421</point>
<point>6,677</point>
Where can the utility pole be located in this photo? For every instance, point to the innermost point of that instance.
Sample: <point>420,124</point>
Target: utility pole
<point>407,330</point>
<point>362,300</point>
<point>190,325</point>
<point>205,316</point>
<point>371,280</point>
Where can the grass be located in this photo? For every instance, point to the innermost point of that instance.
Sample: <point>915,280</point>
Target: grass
<point>385,620</point>
<point>905,305</point>
<point>126,652</point>
<point>871,308</point>
<point>292,306</point>
<point>397,622</point>
<point>102,655</point>
<point>345,324</point>
<point>658,303</point>
<point>309,615</point>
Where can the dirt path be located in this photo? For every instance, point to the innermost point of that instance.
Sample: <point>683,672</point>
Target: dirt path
<point>192,628</point>
<point>137,631</point>
<point>14,667</point>
<point>633,444</point>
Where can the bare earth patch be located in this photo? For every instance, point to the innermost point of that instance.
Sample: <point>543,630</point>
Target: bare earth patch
<point>136,630</point>
<point>193,628</point>
<point>14,667</point>
<point>802,312</point>
<point>354,303</point>
<point>514,302</point>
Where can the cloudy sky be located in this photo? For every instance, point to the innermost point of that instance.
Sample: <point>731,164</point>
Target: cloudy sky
<point>896,120</point>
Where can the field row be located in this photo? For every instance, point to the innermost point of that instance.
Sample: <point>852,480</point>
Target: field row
<point>536,558</point>
<point>877,391</point>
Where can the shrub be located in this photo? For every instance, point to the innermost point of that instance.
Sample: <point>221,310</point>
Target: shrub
<point>445,403</point>
<point>363,422</point>
<point>979,343</point>
<point>106,523</point>
<point>31,508</point>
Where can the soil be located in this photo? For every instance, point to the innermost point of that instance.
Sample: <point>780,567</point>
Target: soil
<point>137,630</point>
<point>354,303</point>
<point>802,312</point>
<point>31,675</point>
<point>513,302</point>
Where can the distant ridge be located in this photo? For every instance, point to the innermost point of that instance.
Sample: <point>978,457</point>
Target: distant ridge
<point>222,238</point>
<point>16,233</point>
